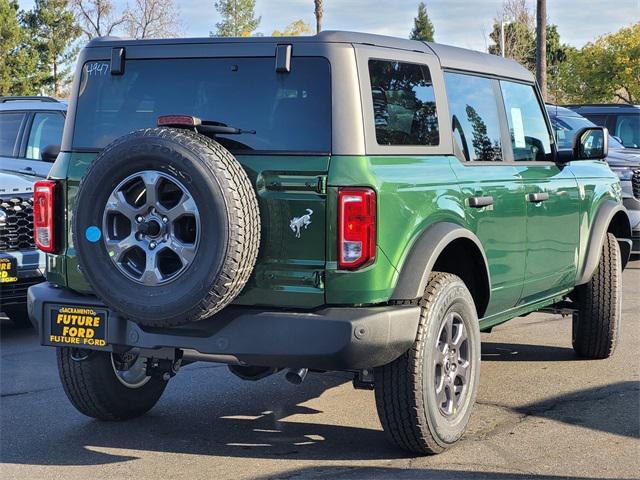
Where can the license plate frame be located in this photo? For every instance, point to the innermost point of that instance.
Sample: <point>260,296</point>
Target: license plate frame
<point>78,326</point>
<point>8,269</point>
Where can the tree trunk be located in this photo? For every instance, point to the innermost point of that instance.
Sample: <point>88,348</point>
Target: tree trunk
<point>541,46</point>
<point>55,78</point>
<point>318,13</point>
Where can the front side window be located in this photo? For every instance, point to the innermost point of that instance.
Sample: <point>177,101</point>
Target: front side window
<point>404,103</point>
<point>474,117</point>
<point>280,112</point>
<point>627,129</point>
<point>46,130</point>
<point>9,129</point>
<point>527,127</point>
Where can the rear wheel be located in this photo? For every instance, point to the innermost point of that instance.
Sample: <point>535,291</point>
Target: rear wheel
<point>597,322</point>
<point>425,397</point>
<point>106,385</point>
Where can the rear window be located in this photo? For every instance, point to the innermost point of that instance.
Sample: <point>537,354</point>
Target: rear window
<point>289,112</point>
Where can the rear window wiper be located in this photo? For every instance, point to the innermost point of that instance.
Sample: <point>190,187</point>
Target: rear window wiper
<point>199,125</point>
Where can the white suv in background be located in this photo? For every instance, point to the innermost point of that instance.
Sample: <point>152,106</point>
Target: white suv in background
<point>28,125</point>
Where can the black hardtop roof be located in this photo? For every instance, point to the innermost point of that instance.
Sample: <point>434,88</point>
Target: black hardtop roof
<point>450,57</point>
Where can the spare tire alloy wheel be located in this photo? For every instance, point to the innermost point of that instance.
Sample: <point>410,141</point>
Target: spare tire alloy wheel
<point>166,227</point>
<point>151,227</point>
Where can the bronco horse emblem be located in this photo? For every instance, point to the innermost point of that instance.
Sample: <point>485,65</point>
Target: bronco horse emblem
<point>298,222</point>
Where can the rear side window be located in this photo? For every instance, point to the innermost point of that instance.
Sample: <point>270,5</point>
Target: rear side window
<point>288,111</point>
<point>530,138</point>
<point>46,129</point>
<point>9,130</point>
<point>404,103</point>
<point>474,117</point>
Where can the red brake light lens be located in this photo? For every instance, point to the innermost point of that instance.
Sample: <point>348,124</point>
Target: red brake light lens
<point>43,215</point>
<point>177,121</point>
<point>356,227</point>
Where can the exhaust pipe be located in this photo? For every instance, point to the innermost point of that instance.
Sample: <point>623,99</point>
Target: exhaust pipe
<point>296,375</point>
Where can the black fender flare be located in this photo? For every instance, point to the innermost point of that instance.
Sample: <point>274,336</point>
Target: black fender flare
<point>419,262</point>
<point>608,212</point>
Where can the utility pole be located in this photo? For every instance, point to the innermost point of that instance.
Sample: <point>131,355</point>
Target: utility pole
<point>541,46</point>
<point>502,38</point>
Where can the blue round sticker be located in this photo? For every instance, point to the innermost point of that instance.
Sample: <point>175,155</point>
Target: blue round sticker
<point>93,234</point>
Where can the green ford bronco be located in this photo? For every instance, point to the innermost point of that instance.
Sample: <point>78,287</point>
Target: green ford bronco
<point>339,202</point>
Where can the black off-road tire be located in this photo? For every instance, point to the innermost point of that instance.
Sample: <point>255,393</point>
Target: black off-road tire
<point>405,399</point>
<point>229,219</point>
<point>596,324</point>
<point>91,385</point>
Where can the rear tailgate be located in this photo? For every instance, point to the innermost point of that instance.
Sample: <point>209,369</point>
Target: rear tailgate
<point>284,149</point>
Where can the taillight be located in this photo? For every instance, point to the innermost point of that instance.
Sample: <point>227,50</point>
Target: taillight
<point>43,215</point>
<point>356,227</point>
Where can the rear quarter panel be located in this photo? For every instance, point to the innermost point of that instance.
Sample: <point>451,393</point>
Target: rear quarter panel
<point>413,192</point>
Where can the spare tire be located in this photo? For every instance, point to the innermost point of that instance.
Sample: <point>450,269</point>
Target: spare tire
<point>166,226</point>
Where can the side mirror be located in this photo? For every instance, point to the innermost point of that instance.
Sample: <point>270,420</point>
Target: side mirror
<point>50,153</point>
<point>591,143</point>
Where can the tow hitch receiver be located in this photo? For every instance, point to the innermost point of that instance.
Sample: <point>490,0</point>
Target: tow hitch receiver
<point>163,368</point>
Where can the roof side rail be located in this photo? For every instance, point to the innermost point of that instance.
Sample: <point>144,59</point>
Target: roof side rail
<point>28,98</point>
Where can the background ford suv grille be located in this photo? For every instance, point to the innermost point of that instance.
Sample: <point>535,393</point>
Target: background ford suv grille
<point>16,223</point>
<point>635,181</point>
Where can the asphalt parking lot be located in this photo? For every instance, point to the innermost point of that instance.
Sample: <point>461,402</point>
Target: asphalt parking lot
<point>541,413</point>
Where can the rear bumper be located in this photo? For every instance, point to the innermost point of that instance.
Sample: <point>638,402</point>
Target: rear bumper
<point>336,338</point>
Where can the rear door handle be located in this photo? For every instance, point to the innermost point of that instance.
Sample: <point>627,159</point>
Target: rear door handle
<point>479,202</point>
<point>537,197</point>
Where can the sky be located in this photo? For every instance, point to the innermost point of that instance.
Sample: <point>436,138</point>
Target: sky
<point>463,23</point>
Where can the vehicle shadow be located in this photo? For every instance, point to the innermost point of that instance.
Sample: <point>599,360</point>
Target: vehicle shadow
<point>522,352</point>
<point>264,419</point>
<point>591,408</point>
<point>267,420</point>
<point>380,473</point>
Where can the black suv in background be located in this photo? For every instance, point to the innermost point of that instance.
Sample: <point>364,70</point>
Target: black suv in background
<point>625,162</point>
<point>623,121</point>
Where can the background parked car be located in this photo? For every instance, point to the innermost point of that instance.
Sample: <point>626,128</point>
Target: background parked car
<point>30,135</point>
<point>21,264</point>
<point>625,162</point>
<point>28,125</point>
<point>623,121</point>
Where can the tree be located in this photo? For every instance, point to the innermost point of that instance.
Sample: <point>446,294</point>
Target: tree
<point>52,29</point>
<point>98,18</point>
<point>482,146</point>
<point>19,73</point>
<point>422,26</point>
<point>153,19</point>
<point>541,46</point>
<point>519,33</point>
<point>318,12</point>
<point>557,54</point>
<point>238,18</point>
<point>294,29</point>
<point>605,70</point>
